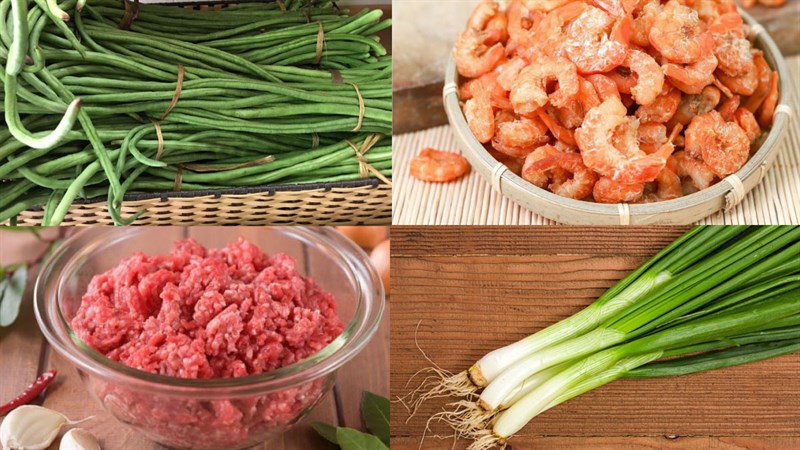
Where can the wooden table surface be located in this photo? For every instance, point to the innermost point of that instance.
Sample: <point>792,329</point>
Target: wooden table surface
<point>474,289</point>
<point>24,354</point>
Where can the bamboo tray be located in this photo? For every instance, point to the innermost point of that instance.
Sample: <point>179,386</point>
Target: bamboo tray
<point>685,210</point>
<point>367,201</point>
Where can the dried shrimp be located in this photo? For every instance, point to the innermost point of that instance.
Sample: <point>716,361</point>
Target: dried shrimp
<point>438,166</point>
<point>579,179</point>
<point>596,41</point>
<point>615,100</point>
<point>723,146</point>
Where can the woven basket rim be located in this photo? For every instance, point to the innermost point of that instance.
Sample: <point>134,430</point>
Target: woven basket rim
<point>684,210</point>
<point>369,203</point>
<point>269,189</point>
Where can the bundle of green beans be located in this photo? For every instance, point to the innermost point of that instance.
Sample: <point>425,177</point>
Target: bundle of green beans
<point>251,94</point>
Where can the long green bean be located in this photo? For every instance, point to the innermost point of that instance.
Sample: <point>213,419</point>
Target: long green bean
<point>182,90</point>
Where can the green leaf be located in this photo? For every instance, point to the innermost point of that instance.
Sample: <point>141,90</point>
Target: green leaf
<point>375,411</point>
<point>350,439</point>
<point>326,431</point>
<point>11,295</point>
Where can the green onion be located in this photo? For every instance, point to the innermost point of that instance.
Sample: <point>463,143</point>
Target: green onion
<point>716,297</point>
<point>662,267</point>
<point>753,254</point>
<point>727,353</point>
<point>715,326</point>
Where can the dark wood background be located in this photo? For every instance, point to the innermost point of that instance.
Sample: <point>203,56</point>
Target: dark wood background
<point>474,289</point>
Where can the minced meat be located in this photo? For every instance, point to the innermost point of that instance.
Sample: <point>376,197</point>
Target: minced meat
<point>198,313</point>
<point>206,313</point>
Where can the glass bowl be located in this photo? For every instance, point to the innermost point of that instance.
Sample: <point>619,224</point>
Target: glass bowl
<point>228,413</point>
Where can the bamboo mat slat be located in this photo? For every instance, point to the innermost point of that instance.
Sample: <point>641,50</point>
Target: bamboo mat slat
<point>472,201</point>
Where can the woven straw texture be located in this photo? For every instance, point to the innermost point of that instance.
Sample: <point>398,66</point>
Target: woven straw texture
<point>346,204</point>
<point>472,201</point>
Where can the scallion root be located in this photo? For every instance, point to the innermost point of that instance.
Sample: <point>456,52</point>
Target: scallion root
<point>428,388</point>
<point>453,436</point>
<point>448,385</point>
<point>486,441</point>
<point>441,383</point>
<point>465,417</point>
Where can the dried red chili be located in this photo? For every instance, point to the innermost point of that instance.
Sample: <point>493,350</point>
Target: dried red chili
<point>30,393</point>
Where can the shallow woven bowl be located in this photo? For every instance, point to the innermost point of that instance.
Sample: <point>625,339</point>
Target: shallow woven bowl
<point>684,210</point>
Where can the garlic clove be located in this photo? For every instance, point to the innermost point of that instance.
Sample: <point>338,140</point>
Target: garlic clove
<point>79,439</point>
<point>31,427</point>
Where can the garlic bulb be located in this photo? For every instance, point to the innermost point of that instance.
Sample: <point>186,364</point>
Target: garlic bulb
<point>31,427</point>
<point>78,439</point>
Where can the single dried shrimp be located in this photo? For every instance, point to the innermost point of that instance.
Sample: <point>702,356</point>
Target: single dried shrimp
<point>438,166</point>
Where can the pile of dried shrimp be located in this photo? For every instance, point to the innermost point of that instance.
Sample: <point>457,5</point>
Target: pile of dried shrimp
<point>615,100</point>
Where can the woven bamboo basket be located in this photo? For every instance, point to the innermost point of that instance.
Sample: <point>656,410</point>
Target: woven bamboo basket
<point>340,203</point>
<point>367,201</point>
<point>684,210</point>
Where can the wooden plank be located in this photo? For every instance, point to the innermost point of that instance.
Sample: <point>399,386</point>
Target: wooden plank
<point>21,343</point>
<point>518,240</point>
<point>466,301</point>
<point>629,443</point>
<point>418,108</point>
<point>369,370</point>
<point>20,347</point>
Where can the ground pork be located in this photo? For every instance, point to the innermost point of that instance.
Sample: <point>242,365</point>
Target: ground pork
<point>199,313</point>
<point>206,313</point>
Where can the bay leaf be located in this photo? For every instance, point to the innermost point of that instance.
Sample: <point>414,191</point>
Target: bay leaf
<point>11,296</point>
<point>375,412</point>
<point>326,431</point>
<point>350,439</point>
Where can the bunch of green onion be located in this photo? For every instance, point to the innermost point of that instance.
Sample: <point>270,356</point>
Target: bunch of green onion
<point>715,297</point>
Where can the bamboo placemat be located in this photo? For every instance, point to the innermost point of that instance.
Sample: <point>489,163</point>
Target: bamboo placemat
<point>472,201</point>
